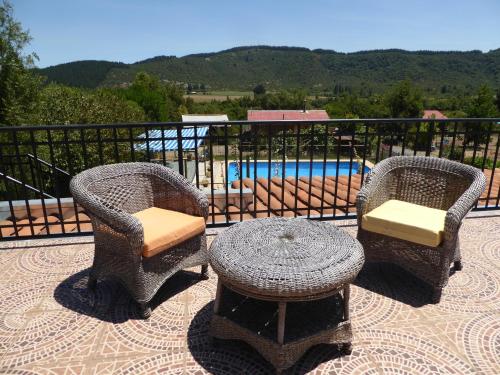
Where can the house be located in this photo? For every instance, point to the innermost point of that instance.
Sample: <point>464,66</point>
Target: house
<point>285,115</point>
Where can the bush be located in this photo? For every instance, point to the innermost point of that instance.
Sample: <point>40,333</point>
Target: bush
<point>454,154</point>
<point>67,105</point>
<point>478,162</point>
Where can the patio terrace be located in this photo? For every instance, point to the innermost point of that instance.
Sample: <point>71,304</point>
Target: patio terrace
<point>50,324</point>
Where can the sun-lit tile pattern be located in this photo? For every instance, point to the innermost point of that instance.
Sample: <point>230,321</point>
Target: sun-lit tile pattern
<point>51,324</point>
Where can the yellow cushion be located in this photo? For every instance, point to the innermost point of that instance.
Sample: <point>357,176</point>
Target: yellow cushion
<point>406,221</point>
<point>163,229</point>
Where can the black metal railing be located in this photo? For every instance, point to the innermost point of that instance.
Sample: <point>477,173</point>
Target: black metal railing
<point>247,169</point>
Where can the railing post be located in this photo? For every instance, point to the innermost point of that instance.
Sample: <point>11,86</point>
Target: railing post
<point>430,138</point>
<point>180,153</point>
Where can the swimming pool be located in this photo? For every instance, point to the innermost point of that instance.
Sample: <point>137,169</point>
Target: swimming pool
<point>290,169</point>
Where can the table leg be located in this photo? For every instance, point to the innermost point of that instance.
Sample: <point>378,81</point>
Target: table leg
<point>347,292</point>
<point>218,297</point>
<point>281,322</point>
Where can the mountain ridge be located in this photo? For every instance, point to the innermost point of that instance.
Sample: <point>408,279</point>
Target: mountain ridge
<point>283,67</point>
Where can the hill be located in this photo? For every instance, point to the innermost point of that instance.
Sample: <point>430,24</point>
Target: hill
<point>88,74</point>
<point>318,70</point>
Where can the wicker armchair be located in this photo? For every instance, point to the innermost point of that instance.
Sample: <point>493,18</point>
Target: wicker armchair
<point>426,181</point>
<point>110,195</point>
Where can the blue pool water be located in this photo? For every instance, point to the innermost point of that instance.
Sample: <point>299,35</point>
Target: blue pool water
<point>290,169</point>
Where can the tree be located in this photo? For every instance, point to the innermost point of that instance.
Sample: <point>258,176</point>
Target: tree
<point>259,89</point>
<point>483,104</point>
<point>290,99</point>
<point>18,86</point>
<point>160,102</point>
<point>352,106</point>
<point>497,100</point>
<point>404,100</point>
<point>68,105</point>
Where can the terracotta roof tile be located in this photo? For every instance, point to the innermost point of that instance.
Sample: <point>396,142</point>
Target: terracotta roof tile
<point>6,231</point>
<point>276,197</point>
<point>260,209</point>
<point>38,225</point>
<point>218,216</point>
<point>331,203</point>
<point>234,214</point>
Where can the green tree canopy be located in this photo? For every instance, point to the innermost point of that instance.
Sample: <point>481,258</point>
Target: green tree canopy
<point>259,89</point>
<point>497,100</point>
<point>404,100</point>
<point>289,99</point>
<point>352,106</point>
<point>66,105</point>
<point>18,85</point>
<point>483,104</point>
<point>161,102</point>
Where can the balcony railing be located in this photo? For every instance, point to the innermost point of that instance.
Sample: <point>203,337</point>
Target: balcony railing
<point>247,169</point>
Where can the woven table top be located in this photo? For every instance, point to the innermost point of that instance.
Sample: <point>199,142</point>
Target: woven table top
<point>294,259</point>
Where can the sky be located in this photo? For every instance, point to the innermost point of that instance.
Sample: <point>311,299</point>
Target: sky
<point>129,31</point>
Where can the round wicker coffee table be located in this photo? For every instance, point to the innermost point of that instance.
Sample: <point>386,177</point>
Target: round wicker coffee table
<point>283,286</point>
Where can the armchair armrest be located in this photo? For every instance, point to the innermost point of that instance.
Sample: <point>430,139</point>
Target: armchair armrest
<point>116,218</point>
<point>462,206</point>
<point>374,191</point>
<point>188,198</point>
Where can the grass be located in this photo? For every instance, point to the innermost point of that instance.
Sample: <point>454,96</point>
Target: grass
<point>232,93</point>
<point>218,95</point>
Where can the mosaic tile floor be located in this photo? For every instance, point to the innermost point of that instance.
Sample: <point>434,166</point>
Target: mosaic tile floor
<point>50,324</point>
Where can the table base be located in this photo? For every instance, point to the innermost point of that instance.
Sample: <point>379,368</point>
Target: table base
<point>261,324</point>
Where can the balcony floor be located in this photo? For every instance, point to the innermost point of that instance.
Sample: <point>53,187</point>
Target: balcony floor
<point>50,324</point>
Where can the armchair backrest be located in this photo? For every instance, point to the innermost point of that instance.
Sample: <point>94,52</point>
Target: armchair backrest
<point>427,181</point>
<point>125,186</point>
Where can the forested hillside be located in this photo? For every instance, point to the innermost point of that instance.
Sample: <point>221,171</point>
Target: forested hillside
<point>317,71</point>
<point>89,74</point>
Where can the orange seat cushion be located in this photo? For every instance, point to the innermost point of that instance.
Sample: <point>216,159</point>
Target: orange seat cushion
<point>164,229</point>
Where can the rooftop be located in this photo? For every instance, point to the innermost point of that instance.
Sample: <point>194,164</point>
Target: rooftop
<point>286,114</point>
<point>433,114</point>
<point>49,323</point>
<point>204,118</point>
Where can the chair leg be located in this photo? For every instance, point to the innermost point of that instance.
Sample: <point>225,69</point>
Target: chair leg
<point>436,295</point>
<point>92,283</point>
<point>457,265</point>
<point>204,272</point>
<point>346,348</point>
<point>144,310</point>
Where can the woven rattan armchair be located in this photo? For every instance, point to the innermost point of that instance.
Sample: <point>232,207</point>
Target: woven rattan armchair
<point>426,181</point>
<point>110,195</point>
